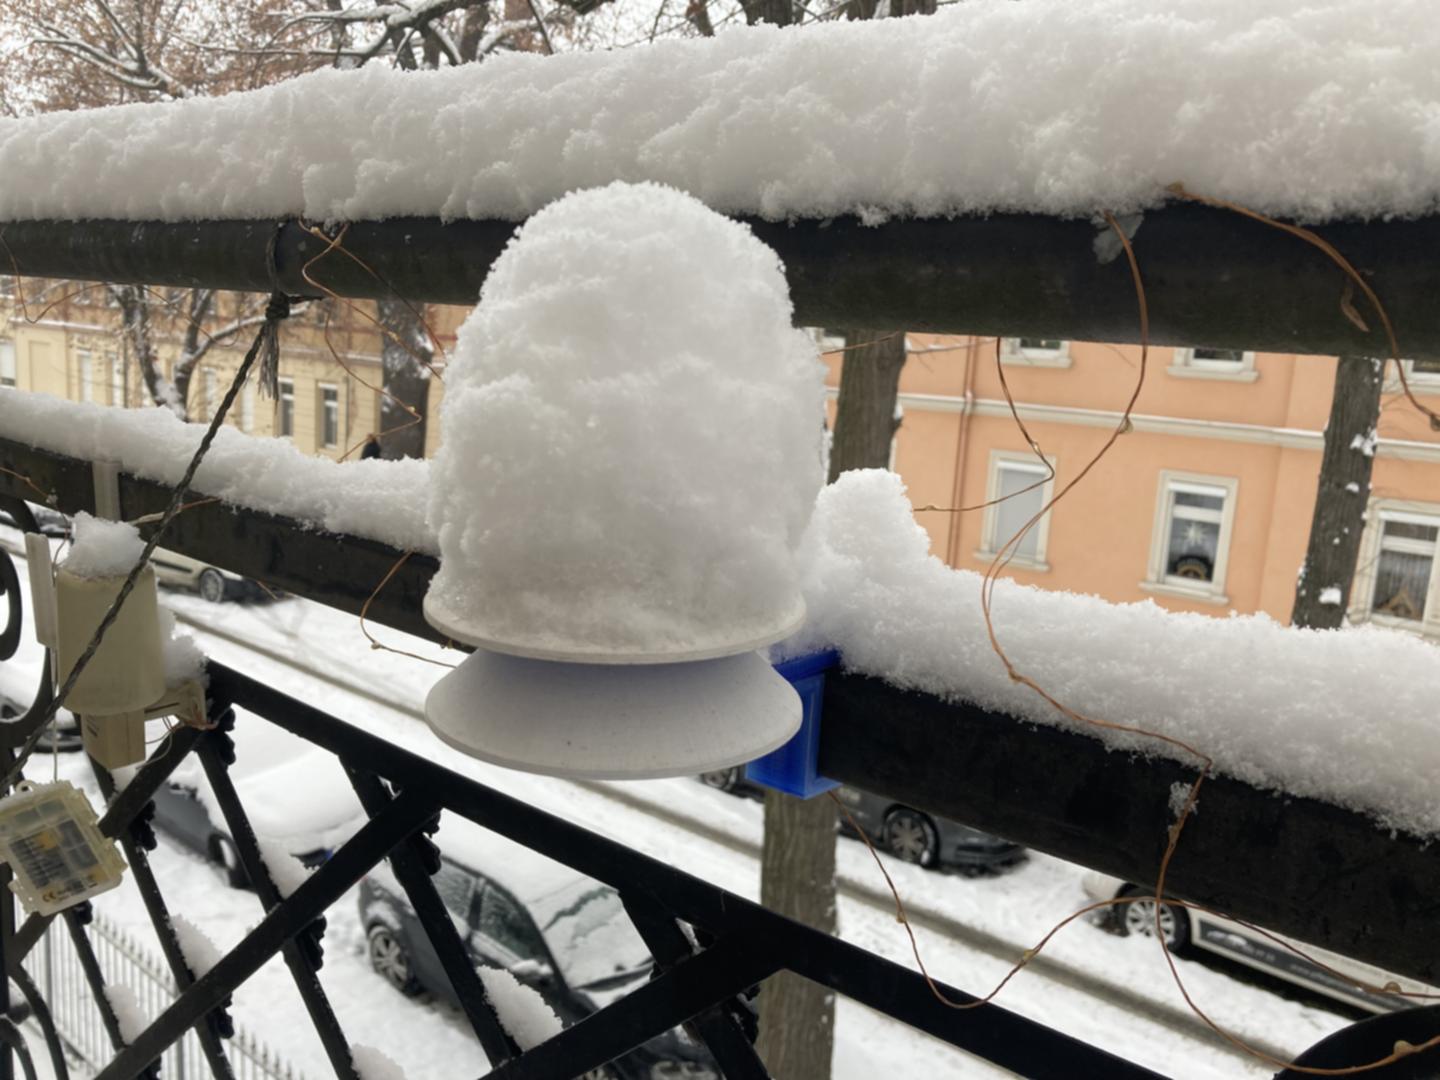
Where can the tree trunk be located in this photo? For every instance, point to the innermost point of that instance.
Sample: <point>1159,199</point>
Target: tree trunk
<point>797,879</point>
<point>406,380</point>
<point>1344,491</point>
<point>797,867</point>
<point>136,342</point>
<point>865,415</point>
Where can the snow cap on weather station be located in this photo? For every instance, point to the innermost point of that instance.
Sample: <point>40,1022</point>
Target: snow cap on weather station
<point>632,448</point>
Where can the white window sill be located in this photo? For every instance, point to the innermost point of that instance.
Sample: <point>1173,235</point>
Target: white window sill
<point>1021,360</point>
<point>1420,385</point>
<point>1201,595</point>
<point>1018,562</point>
<point>1420,628</point>
<point>1185,371</point>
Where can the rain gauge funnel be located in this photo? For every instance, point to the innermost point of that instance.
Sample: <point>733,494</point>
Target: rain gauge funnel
<point>631,451</point>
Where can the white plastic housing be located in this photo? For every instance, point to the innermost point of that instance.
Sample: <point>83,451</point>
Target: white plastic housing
<point>127,672</point>
<point>610,722</point>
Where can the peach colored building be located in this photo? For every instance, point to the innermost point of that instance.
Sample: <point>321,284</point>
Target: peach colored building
<point>1203,506</point>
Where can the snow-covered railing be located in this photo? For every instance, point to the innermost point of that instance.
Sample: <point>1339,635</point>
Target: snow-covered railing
<point>1211,275</point>
<point>1343,883</point>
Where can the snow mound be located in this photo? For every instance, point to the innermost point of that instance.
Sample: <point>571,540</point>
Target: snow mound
<point>125,1004</point>
<point>1347,716</point>
<point>522,1011</point>
<point>372,1064</point>
<point>286,871</point>
<point>631,437</point>
<point>1318,110</point>
<point>103,549</point>
<point>201,954</point>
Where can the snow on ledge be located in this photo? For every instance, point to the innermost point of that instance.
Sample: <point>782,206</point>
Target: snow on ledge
<point>1318,110</point>
<point>1346,716</point>
<point>379,500</point>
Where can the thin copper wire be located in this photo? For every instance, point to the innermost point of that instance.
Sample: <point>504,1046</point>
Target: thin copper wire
<point>365,610</point>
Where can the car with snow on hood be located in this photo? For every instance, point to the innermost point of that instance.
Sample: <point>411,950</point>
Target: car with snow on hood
<point>558,932</point>
<point>297,800</point>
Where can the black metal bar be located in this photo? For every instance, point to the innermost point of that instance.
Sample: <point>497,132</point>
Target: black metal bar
<point>720,913</point>
<point>40,1010</point>
<point>1211,276</point>
<point>406,862</point>
<point>128,804</point>
<point>18,947</point>
<point>302,959</point>
<point>719,972</point>
<point>717,1027</point>
<point>291,917</point>
<point>75,919</point>
<point>341,571</point>
<point>213,1025</point>
<point>1298,866</point>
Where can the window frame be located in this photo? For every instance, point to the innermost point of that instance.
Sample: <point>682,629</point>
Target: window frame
<point>85,374</point>
<point>1013,353</point>
<point>9,363</point>
<point>990,543</point>
<point>1421,382</point>
<point>1157,578</point>
<point>1367,568</point>
<point>117,379</point>
<point>1184,365</point>
<point>285,408</point>
<point>322,404</point>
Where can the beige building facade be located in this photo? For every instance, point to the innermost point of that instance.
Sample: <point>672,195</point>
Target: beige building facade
<point>1203,506</point>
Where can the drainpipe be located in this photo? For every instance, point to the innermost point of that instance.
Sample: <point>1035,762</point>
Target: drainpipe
<point>962,442</point>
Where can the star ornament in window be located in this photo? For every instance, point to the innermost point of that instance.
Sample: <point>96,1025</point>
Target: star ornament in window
<point>1195,535</point>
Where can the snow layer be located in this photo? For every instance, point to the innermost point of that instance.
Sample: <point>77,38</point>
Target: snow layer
<point>382,500</point>
<point>286,871</point>
<point>201,954</point>
<point>372,1064</point>
<point>128,1013</point>
<point>522,1011</point>
<point>1322,109</point>
<point>1342,715</point>
<point>103,549</point>
<point>631,437</point>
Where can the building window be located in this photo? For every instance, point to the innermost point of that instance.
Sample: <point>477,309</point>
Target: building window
<point>1422,375</point>
<point>86,368</point>
<point>329,416</point>
<point>1191,542</point>
<point>7,363</point>
<point>1035,352</point>
<point>1018,487</point>
<point>1403,566</point>
<point>1206,363</point>
<point>285,409</point>
<point>117,381</point>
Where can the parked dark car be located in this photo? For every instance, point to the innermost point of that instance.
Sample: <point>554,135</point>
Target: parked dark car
<point>564,935</point>
<point>906,833</point>
<point>268,760</point>
<point>179,571</point>
<point>63,734</point>
<point>52,523</point>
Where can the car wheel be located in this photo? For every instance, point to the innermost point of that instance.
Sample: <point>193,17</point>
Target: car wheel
<point>911,836</point>
<point>212,586</point>
<point>722,779</point>
<point>227,859</point>
<point>1138,917</point>
<point>388,957</point>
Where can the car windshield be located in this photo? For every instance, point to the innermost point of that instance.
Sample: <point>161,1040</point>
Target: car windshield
<point>589,934</point>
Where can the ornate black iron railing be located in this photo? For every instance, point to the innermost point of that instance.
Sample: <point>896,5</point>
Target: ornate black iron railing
<point>696,985</point>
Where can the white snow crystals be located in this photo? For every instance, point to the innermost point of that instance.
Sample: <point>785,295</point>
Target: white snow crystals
<point>1320,109</point>
<point>103,549</point>
<point>632,438</point>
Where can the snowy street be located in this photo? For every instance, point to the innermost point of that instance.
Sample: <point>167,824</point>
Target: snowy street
<point>705,832</point>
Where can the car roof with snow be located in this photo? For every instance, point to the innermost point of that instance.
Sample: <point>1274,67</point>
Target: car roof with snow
<point>528,875</point>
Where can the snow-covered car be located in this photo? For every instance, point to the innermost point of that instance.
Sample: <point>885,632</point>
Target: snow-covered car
<point>1185,928</point>
<point>564,935</point>
<point>907,833</point>
<point>52,523</point>
<point>212,583</point>
<point>296,797</point>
